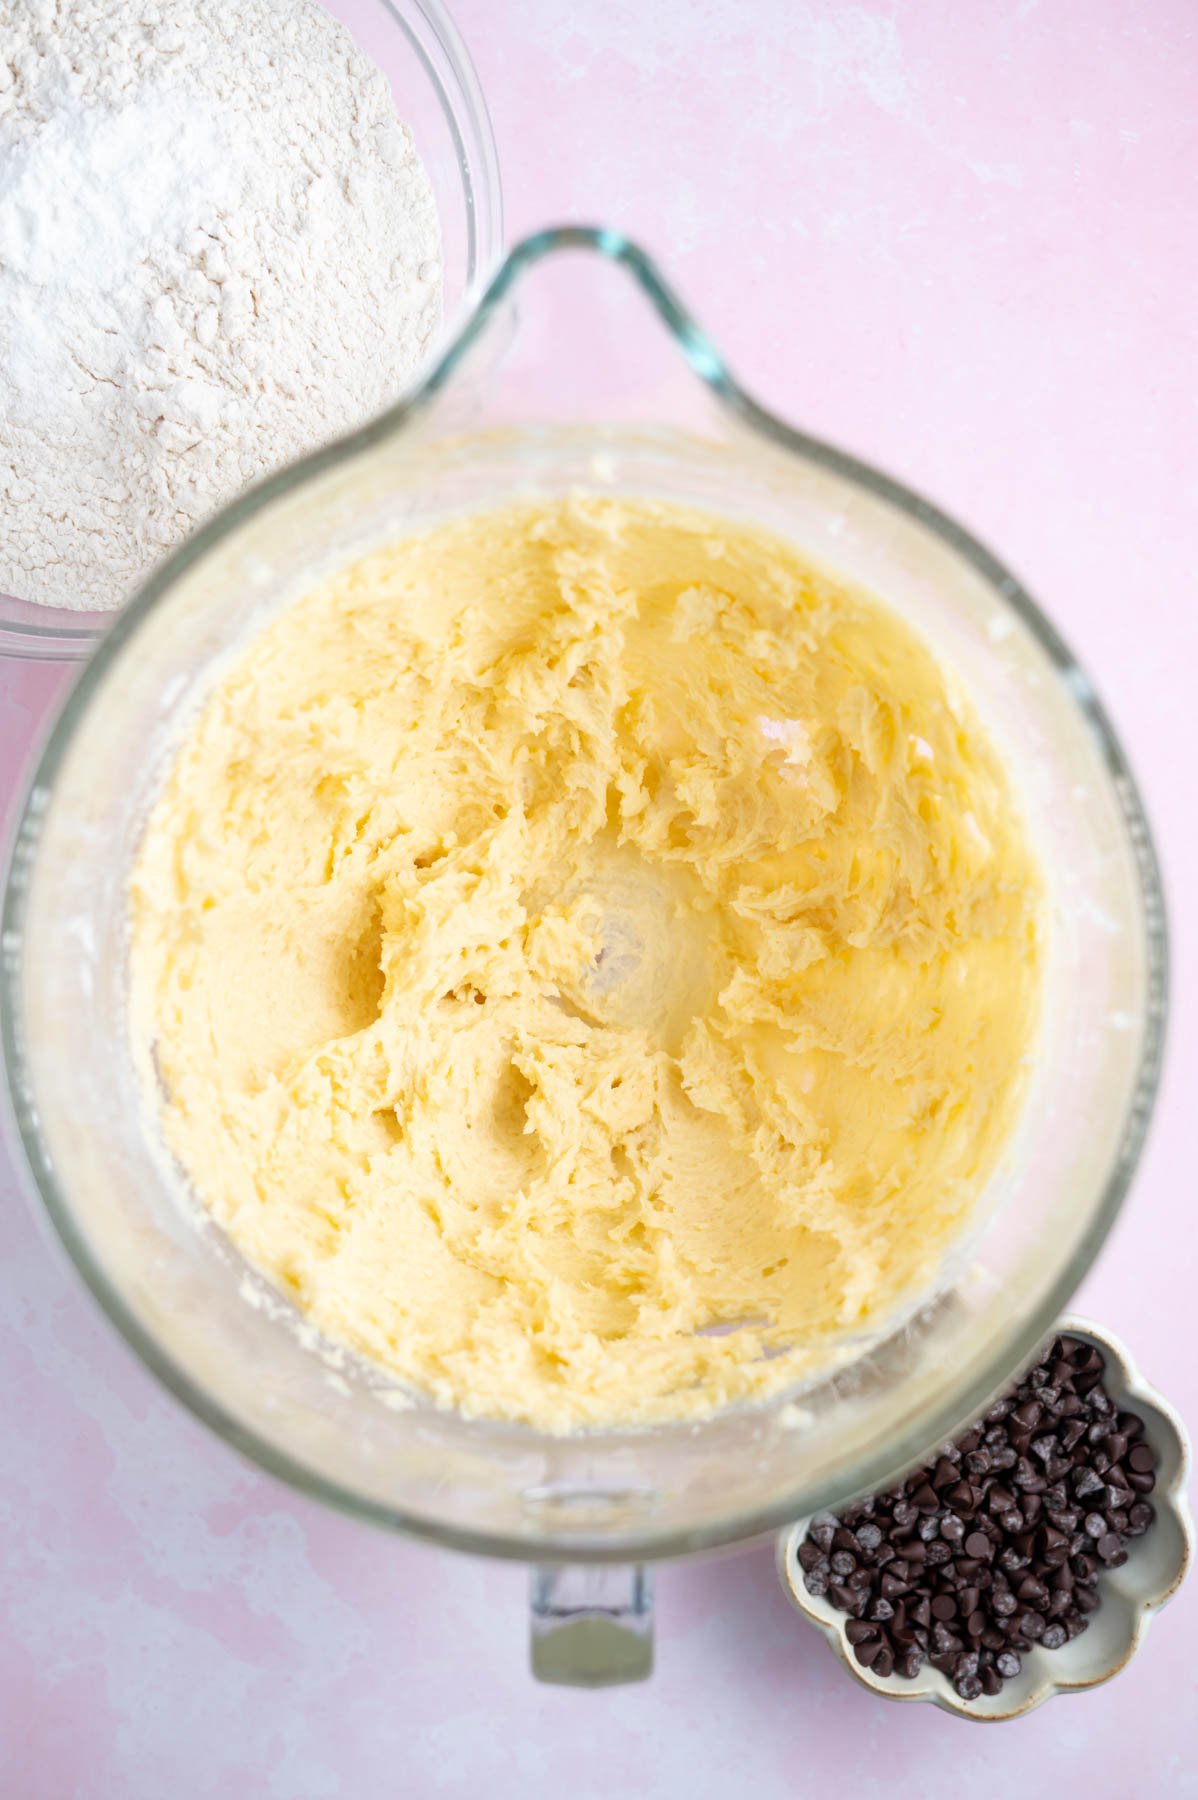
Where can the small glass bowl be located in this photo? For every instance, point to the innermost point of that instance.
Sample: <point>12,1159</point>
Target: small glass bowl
<point>417,46</point>
<point>1155,1568</point>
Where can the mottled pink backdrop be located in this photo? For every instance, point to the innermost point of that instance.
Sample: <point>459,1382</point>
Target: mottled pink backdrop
<point>959,238</point>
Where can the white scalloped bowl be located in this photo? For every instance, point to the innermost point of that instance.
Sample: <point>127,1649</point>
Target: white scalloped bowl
<point>1155,1568</point>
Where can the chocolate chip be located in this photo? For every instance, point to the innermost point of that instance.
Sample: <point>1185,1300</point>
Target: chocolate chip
<point>1007,1664</point>
<point>977,1544</point>
<point>1139,1518</point>
<point>860,1631</point>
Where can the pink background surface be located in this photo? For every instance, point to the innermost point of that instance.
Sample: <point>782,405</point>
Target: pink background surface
<point>959,239</point>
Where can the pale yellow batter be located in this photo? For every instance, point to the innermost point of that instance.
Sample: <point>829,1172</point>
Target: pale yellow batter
<point>588,958</point>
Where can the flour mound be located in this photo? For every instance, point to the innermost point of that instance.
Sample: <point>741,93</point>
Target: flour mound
<point>218,248</point>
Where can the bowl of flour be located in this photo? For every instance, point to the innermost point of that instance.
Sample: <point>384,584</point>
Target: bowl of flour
<point>230,230</point>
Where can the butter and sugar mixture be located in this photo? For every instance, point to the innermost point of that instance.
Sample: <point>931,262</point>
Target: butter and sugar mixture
<point>588,958</point>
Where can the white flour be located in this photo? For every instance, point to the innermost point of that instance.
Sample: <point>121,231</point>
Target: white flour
<point>217,248</point>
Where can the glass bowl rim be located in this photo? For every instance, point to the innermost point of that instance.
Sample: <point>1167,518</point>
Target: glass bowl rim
<point>933,1426</point>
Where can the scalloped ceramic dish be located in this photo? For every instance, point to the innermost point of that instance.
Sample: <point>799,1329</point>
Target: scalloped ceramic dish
<point>1155,1568</point>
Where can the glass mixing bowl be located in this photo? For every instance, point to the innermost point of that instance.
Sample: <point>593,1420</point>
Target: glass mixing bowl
<point>578,371</point>
<point>416,45</point>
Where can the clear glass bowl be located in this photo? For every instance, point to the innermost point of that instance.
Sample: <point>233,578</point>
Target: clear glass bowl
<point>417,46</point>
<point>579,371</point>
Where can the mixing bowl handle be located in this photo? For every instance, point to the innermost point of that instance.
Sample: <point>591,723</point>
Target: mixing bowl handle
<point>592,1624</point>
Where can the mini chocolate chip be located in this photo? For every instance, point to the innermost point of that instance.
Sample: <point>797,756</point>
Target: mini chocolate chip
<point>1139,1518</point>
<point>944,1607</point>
<point>975,1624</point>
<point>909,1664</point>
<point>868,1538</point>
<point>843,1562</point>
<point>823,1529</point>
<point>1054,1636</point>
<point>860,1631</point>
<point>1094,1523</point>
<point>991,1682</point>
<point>977,1544</point>
<point>1007,1664</point>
